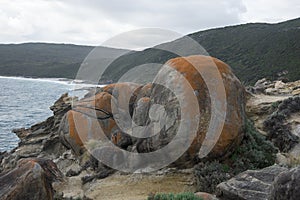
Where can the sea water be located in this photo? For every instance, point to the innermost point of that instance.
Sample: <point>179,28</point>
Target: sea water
<point>24,102</point>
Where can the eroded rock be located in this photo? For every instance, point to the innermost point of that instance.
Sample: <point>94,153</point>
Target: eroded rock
<point>157,114</point>
<point>32,179</point>
<point>169,113</point>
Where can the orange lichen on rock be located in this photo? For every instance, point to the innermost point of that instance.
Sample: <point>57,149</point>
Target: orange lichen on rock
<point>232,132</point>
<point>90,119</point>
<point>191,77</point>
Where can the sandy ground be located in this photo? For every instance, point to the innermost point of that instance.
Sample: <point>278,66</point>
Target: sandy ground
<point>138,187</point>
<point>128,186</point>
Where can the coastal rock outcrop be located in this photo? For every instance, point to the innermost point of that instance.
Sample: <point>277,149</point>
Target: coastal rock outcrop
<point>78,124</point>
<point>40,140</point>
<point>156,114</point>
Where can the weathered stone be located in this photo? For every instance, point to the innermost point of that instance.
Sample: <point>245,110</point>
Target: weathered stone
<point>275,88</point>
<point>296,92</point>
<point>103,114</point>
<point>125,95</point>
<point>121,139</point>
<point>168,116</point>
<point>249,185</point>
<point>140,116</point>
<point>90,119</point>
<point>261,85</point>
<point>95,117</point>
<point>271,91</point>
<point>32,179</point>
<point>279,85</point>
<point>286,185</point>
<point>145,91</point>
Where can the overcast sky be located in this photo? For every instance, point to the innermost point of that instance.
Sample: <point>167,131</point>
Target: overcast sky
<point>92,22</point>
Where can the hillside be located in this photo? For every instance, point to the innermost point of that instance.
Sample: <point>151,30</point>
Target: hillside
<point>45,60</point>
<point>253,51</point>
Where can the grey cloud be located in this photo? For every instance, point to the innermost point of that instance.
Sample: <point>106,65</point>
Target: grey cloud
<point>94,21</point>
<point>183,16</point>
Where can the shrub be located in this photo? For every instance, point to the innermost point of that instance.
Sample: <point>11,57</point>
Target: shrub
<point>180,196</point>
<point>275,105</point>
<point>254,152</point>
<point>275,125</point>
<point>210,174</point>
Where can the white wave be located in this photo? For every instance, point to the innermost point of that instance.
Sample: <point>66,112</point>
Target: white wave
<point>76,83</point>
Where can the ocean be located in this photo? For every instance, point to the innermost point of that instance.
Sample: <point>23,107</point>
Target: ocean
<point>26,101</point>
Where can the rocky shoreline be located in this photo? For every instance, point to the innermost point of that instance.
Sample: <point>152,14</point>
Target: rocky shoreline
<point>51,163</point>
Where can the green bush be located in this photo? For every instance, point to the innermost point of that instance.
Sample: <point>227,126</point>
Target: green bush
<point>275,105</point>
<point>254,152</point>
<point>210,174</point>
<point>180,196</point>
<point>276,127</point>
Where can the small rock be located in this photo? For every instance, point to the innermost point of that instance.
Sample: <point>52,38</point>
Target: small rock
<point>261,85</point>
<point>282,160</point>
<point>296,92</point>
<point>271,91</point>
<point>279,85</point>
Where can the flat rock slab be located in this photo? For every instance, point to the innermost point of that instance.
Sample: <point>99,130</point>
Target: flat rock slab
<point>251,184</point>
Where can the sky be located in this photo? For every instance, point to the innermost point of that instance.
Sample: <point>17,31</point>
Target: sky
<point>93,22</point>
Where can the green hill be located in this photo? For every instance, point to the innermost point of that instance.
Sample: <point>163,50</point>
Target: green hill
<point>45,60</point>
<point>253,50</point>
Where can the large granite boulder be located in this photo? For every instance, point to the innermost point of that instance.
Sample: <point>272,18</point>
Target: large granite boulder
<point>249,185</point>
<point>180,80</point>
<point>32,179</point>
<point>286,185</point>
<point>190,95</point>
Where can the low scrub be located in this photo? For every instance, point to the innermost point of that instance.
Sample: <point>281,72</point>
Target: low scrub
<point>171,196</point>
<point>276,124</point>
<point>254,152</point>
